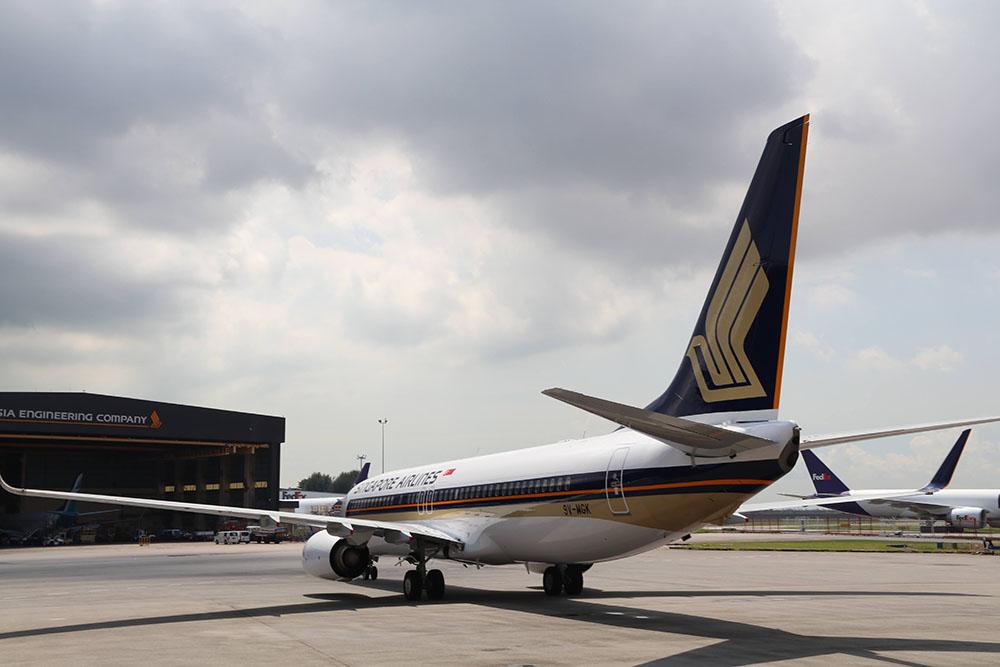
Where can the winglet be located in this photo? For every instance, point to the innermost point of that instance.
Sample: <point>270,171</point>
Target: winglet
<point>8,488</point>
<point>942,477</point>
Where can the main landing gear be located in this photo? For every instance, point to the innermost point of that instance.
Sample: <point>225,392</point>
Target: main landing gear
<point>568,578</point>
<point>421,579</point>
<point>371,572</point>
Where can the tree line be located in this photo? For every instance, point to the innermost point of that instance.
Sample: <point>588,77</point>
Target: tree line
<point>324,483</point>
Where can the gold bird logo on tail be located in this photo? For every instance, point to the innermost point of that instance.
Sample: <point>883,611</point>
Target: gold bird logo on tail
<point>731,311</point>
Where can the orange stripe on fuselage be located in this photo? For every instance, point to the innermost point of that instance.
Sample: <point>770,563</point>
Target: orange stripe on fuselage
<point>791,260</point>
<point>552,494</point>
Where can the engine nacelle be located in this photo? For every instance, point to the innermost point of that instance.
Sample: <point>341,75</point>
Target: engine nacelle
<point>330,557</point>
<point>967,517</point>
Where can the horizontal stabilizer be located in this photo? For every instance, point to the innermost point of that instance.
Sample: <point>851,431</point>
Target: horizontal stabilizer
<point>813,443</point>
<point>696,439</point>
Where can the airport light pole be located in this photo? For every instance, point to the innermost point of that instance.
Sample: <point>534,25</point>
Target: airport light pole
<point>383,422</point>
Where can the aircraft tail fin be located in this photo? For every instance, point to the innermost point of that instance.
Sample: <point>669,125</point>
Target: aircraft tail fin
<point>826,483</point>
<point>733,362</point>
<point>69,507</point>
<point>363,473</point>
<point>942,477</point>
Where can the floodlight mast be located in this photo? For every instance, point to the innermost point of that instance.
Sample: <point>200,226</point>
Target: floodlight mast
<point>383,422</point>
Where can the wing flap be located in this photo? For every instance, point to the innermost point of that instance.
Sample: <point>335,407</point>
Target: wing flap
<point>694,438</point>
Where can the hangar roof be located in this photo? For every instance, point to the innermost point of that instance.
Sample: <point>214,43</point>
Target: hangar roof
<point>81,415</point>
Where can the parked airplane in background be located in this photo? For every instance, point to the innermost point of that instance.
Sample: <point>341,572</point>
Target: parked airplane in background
<point>708,443</point>
<point>333,504</point>
<point>965,508</point>
<point>33,526</point>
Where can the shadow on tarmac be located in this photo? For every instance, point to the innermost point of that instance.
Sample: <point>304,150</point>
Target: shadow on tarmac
<point>738,643</point>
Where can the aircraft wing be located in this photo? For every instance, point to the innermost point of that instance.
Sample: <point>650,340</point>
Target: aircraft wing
<point>822,502</point>
<point>825,441</point>
<point>924,508</point>
<point>392,531</point>
<point>691,437</point>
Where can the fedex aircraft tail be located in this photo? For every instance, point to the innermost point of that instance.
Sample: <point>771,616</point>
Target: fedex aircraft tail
<point>826,483</point>
<point>733,362</point>
<point>942,477</point>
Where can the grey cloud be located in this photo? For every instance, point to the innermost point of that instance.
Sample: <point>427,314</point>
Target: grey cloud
<point>150,110</point>
<point>68,283</point>
<point>506,96</point>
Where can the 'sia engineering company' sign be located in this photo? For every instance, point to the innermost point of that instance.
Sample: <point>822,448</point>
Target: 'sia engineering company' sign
<point>26,416</point>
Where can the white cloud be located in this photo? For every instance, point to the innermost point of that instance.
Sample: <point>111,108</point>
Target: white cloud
<point>875,358</point>
<point>811,342</point>
<point>939,358</point>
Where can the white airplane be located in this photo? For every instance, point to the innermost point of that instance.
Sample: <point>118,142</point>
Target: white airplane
<point>329,505</point>
<point>965,508</point>
<point>711,441</point>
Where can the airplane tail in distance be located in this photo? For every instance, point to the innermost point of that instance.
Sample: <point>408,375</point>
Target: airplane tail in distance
<point>734,359</point>
<point>942,477</point>
<point>69,507</point>
<point>363,473</point>
<point>826,483</point>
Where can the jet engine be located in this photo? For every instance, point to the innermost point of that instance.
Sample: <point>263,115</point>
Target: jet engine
<point>330,557</point>
<point>967,517</point>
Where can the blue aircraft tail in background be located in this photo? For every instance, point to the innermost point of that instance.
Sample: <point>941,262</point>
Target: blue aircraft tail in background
<point>363,473</point>
<point>68,508</point>
<point>942,477</point>
<point>826,483</point>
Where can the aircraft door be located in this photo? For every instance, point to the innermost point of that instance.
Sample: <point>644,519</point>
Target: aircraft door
<point>425,500</point>
<point>614,482</point>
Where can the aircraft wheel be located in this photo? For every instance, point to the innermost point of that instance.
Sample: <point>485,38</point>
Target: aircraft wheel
<point>573,582</point>
<point>413,586</point>
<point>373,573</point>
<point>551,581</point>
<point>366,575</point>
<point>434,585</point>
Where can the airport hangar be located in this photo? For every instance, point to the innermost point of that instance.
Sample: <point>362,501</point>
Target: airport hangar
<point>142,448</point>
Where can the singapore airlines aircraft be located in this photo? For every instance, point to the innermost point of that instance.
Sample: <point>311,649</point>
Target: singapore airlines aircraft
<point>963,508</point>
<point>697,452</point>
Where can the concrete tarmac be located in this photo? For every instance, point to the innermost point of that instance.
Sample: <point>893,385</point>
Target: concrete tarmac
<point>252,604</point>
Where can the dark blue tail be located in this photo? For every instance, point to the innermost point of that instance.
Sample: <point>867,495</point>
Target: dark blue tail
<point>826,483</point>
<point>942,477</point>
<point>733,362</point>
<point>363,473</point>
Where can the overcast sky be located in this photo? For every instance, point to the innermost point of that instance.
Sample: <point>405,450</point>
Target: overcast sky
<point>430,212</point>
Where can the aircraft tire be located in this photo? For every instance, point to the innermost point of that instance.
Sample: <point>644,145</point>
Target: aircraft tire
<point>551,581</point>
<point>573,582</point>
<point>413,586</point>
<point>373,573</point>
<point>434,585</point>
